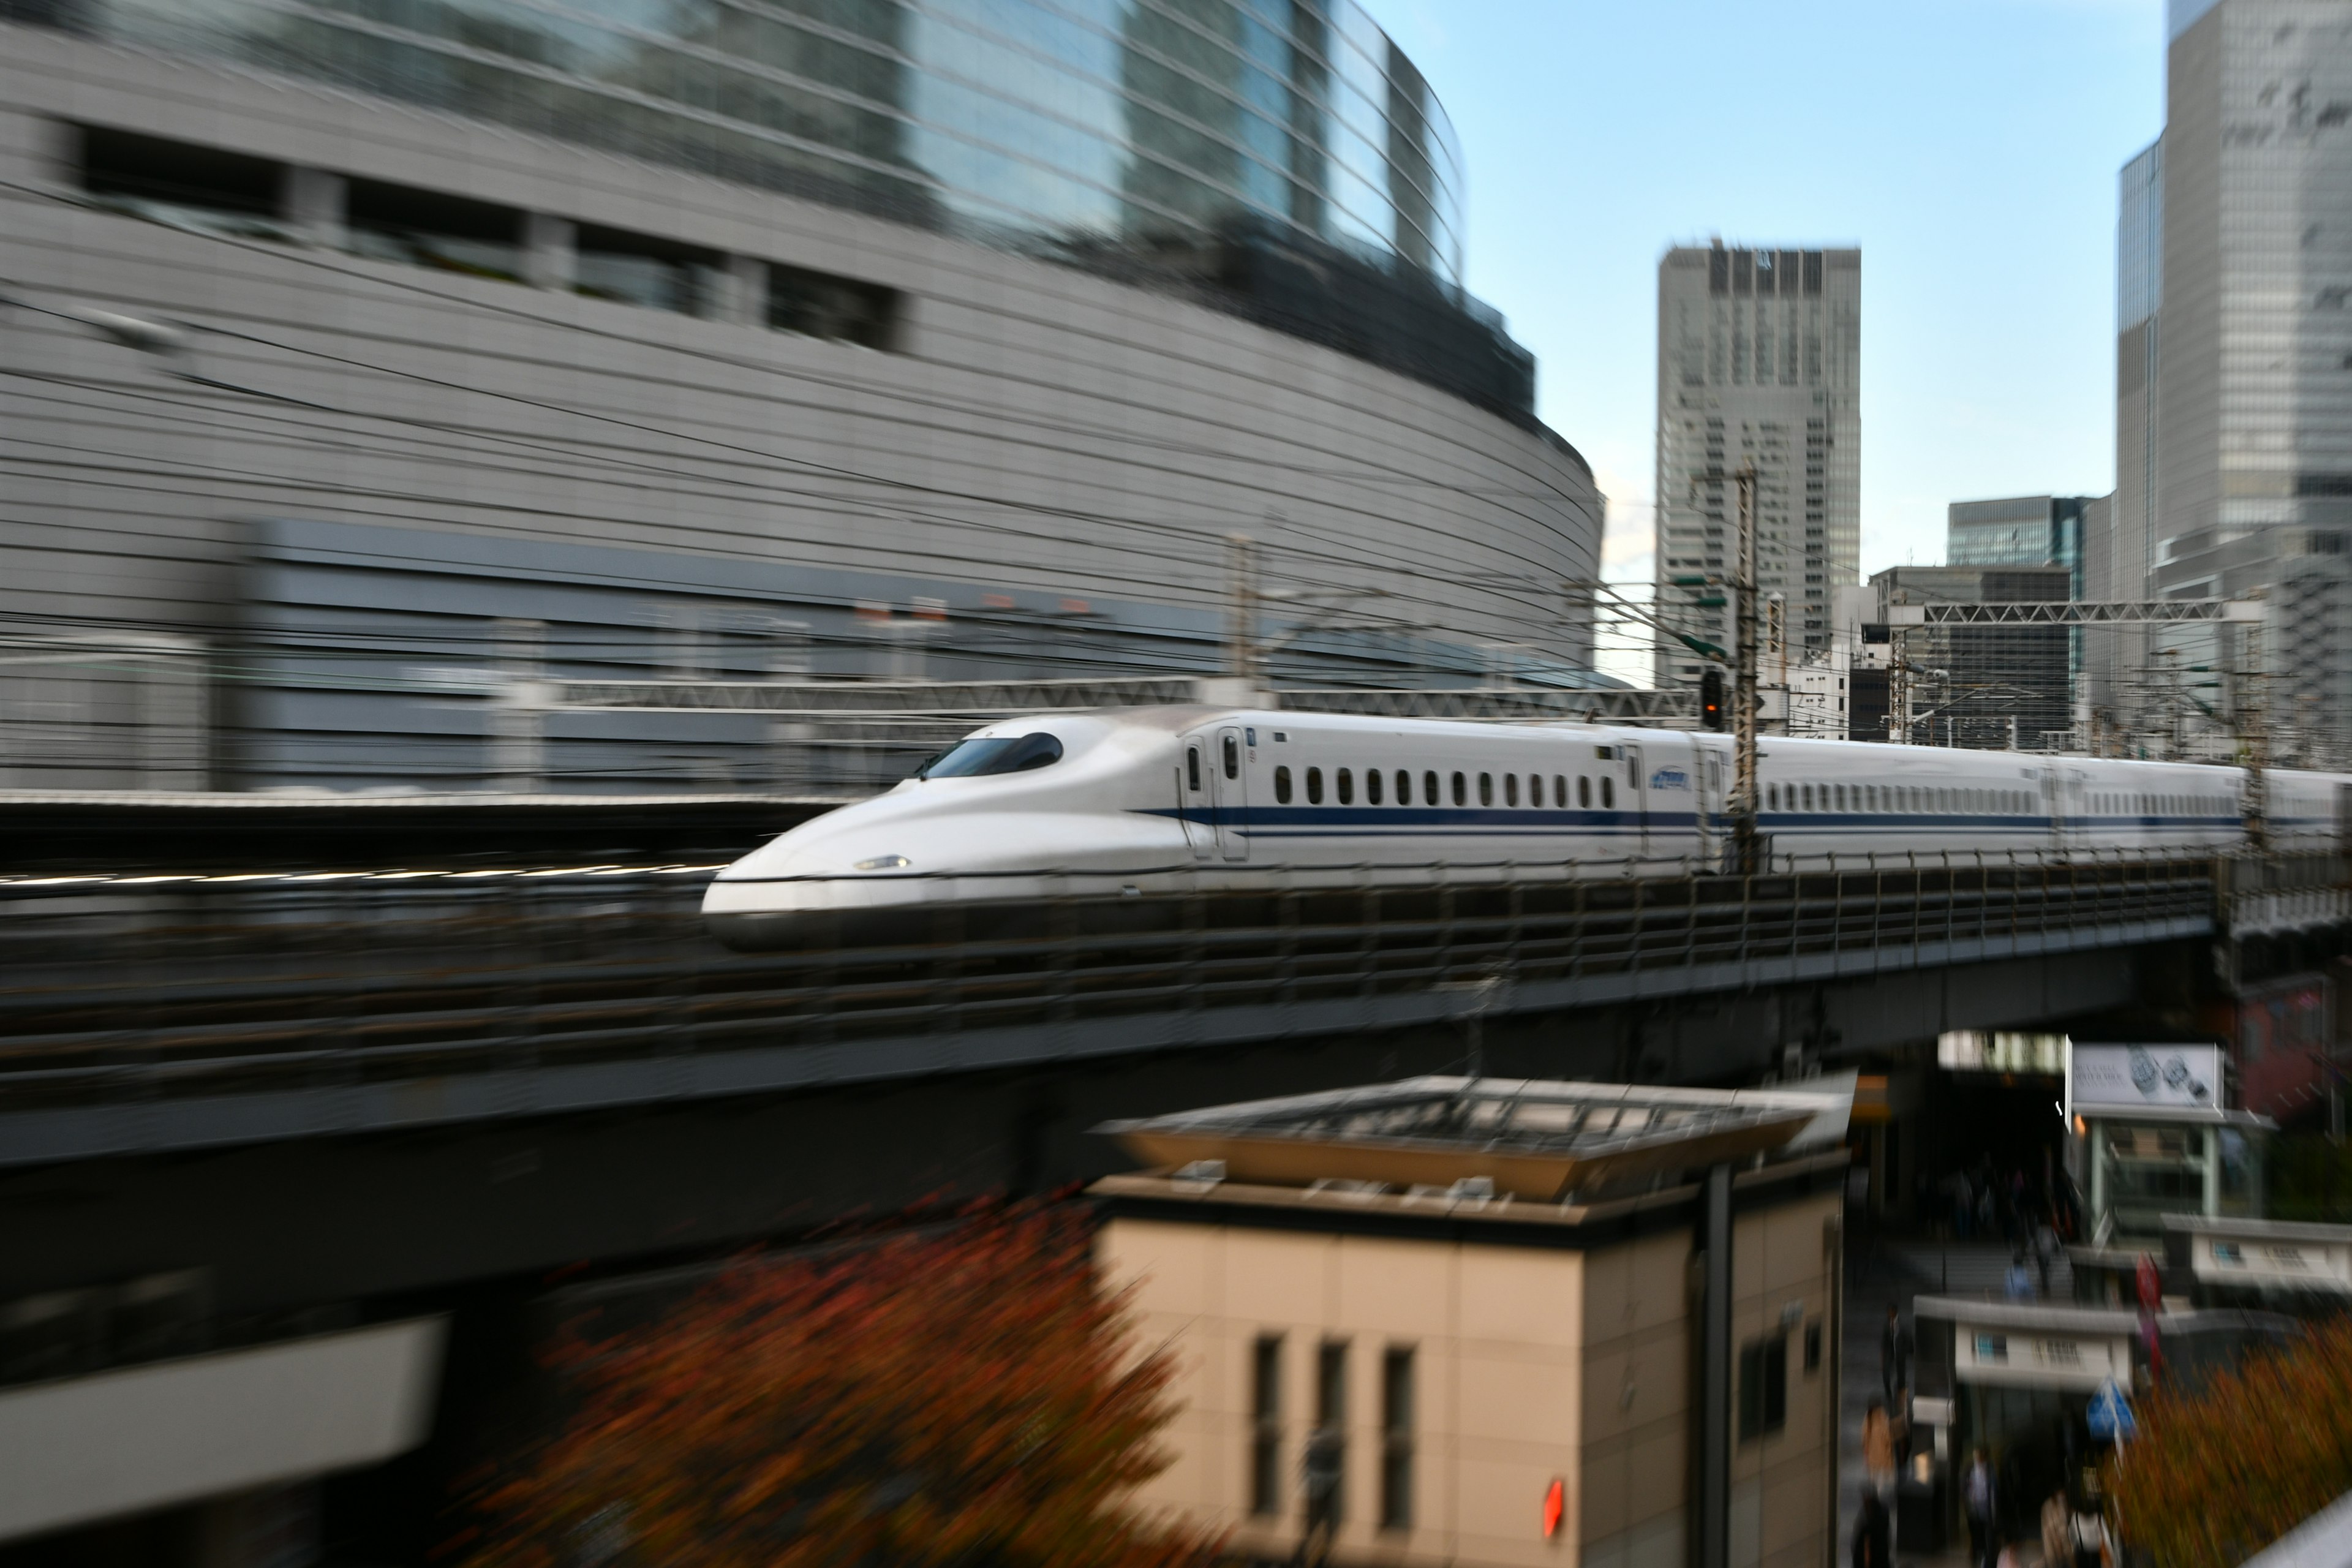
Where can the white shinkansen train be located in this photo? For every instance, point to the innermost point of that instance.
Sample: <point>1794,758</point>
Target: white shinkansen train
<point>1153,800</point>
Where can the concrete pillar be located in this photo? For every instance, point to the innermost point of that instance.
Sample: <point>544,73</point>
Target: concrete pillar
<point>551,255</point>
<point>314,203</point>
<point>1712,1548</point>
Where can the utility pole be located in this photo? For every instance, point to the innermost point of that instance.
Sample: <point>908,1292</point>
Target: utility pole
<point>2246,711</point>
<point>1747,845</point>
<point>1241,610</point>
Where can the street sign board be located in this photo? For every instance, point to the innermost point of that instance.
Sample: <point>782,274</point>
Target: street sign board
<point>2110,1415</point>
<point>2119,1077</point>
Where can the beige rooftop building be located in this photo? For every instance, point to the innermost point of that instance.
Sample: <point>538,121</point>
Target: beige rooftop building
<point>1489,1321</point>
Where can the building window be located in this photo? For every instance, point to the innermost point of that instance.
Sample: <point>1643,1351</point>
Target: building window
<point>1327,1457</point>
<point>1763,1387</point>
<point>183,185</point>
<point>1396,1438</point>
<point>1265,1425</point>
<point>1281,786</point>
<point>425,228</point>
<point>641,269</point>
<point>839,310</point>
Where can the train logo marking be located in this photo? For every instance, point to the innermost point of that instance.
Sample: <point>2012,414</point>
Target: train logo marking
<point>1670,778</point>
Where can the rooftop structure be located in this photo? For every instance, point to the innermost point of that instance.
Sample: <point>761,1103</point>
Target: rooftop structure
<point>1391,1307</point>
<point>1535,1141</point>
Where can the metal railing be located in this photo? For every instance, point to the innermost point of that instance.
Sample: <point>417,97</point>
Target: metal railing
<point>133,990</point>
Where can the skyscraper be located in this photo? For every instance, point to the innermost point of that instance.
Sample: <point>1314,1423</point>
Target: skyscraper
<point>1758,360</point>
<point>2233,447</point>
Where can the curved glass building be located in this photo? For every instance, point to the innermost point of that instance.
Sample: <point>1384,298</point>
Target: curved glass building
<point>1065,122</point>
<point>836,341</point>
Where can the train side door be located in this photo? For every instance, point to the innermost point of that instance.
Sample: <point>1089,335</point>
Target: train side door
<point>1229,794</point>
<point>2061,790</point>
<point>1192,809</point>
<point>1637,801</point>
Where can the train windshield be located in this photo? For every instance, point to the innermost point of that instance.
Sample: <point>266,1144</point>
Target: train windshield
<point>994,754</point>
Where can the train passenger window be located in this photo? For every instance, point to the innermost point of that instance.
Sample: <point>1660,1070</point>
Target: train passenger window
<point>1346,782</point>
<point>1404,787</point>
<point>1429,789</point>
<point>1559,791</point>
<point>1461,790</point>
<point>1805,795</point>
<point>1314,786</point>
<point>1771,798</point>
<point>1584,791</point>
<point>1510,789</point>
<point>1281,786</point>
<point>1608,793</point>
<point>1371,786</point>
<point>1535,789</point>
<point>1193,766</point>
<point>1232,758</point>
<point>1486,789</point>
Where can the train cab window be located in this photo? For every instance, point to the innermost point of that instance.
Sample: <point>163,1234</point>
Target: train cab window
<point>1232,758</point>
<point>1510,789</point>
<point>1404,787</point>
<point>1345,780</point>
<point>1584,791</point>
<point>986,754</point>
<point>1461,790</point>
<point>1429,789</point>
<point>1193,766</point>
<point>1371,786</point>
<point>1281,786</point>
<point>1314,786</point>
<point>1486,789</point>
<point>1608,793</point>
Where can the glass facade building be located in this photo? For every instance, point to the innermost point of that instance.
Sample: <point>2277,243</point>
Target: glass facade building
<point>1030,122</point>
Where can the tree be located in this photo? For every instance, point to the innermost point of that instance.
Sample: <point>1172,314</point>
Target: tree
<point>959,1395</point>
<point>2223,1469</point>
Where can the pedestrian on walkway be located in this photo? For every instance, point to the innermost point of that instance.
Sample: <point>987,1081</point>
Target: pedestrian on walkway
<point>1878,1450</point>
<point>1895,1350</point>
<point>2057,1531</point>
<point>1980,1498</point>
<point>1873,1540</point>
<point>2017,1283</point>
<point>2046,1247</point>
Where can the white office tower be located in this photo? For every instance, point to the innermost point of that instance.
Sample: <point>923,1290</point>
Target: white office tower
<point>2235,366</point>
<point>1758,360</point>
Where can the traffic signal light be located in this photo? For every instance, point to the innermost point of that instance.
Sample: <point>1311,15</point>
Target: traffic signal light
<point>1710,699</point>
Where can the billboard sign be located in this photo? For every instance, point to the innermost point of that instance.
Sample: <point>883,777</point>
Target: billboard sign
<point>2134,1076</point>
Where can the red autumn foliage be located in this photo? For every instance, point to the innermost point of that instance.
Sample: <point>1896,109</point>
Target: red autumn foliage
<point>2216,1474</point>
<point>959,1396</point>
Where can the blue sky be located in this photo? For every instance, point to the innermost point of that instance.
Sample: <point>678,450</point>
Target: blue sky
<point>1970,147</point>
